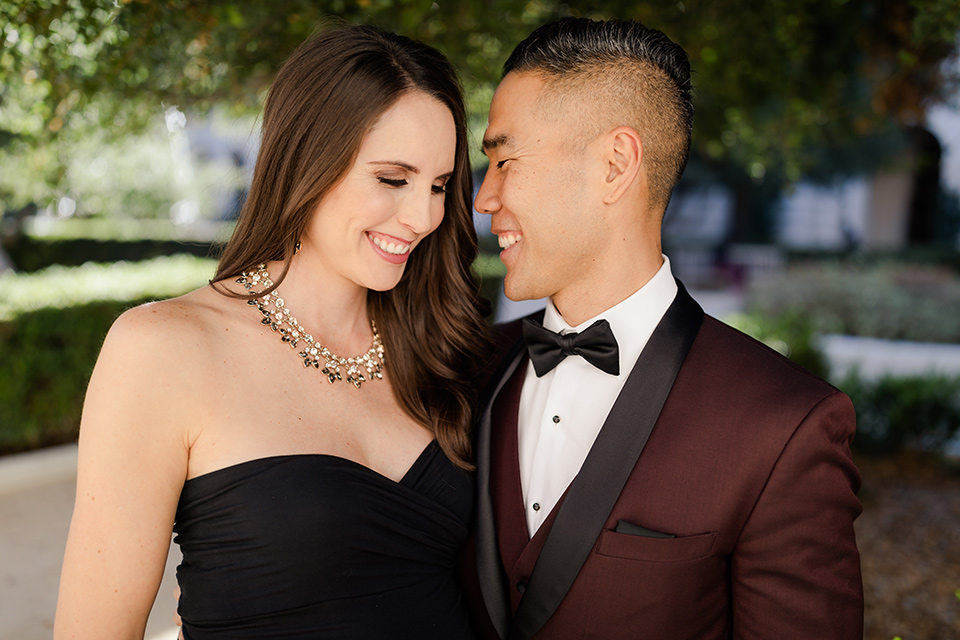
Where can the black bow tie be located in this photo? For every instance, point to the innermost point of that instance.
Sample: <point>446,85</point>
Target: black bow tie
<point>595,344</point>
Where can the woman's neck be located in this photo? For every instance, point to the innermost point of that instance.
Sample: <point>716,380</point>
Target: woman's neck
<point>332,310</point>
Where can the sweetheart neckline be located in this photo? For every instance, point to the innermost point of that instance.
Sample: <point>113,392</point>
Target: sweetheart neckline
<point>329,456</point>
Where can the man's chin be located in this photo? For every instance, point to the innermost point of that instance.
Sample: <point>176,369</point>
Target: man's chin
<point>519,292</point>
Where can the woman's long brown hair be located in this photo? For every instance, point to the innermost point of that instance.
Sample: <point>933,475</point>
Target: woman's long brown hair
<point>325,98</point>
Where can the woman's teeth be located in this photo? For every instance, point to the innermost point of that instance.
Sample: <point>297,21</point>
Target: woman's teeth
<point>397,249</point>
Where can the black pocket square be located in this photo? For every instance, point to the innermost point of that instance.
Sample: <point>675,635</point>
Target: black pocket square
<point>636,530</point>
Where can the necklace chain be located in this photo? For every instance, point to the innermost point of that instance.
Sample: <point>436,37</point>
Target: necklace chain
<point>359,369</point>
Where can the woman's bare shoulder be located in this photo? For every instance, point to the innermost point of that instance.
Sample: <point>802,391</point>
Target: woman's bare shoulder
<point>160,358</point>
<point>179,329</point>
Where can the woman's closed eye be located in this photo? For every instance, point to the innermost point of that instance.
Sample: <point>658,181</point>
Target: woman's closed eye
<point>396,183</point>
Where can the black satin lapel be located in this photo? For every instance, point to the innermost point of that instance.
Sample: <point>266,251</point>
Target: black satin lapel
<point>597,486</point>
<point>493,583</point>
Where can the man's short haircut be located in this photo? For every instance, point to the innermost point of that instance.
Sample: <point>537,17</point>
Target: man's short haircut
<point>622,74</point>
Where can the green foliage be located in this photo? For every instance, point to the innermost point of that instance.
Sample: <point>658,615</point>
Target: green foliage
<point>47,356</point>
<point>50,60</point>
<point>58,287</point>
<point>777,82</point>
<point>893,413</point>
<point>127,59</point>
<point>490,271</point>
<point>896,412</point>
<point>139,175</point>
<point>489,266</point>
<point>890,300</point>
<point>790,334</point>
<point>52,324</point>
<point>32,254</point>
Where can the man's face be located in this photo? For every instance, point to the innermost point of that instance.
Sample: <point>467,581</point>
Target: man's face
<point>538,191</point>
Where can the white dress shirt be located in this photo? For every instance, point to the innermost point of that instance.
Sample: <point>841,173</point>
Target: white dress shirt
<point>561,413</point>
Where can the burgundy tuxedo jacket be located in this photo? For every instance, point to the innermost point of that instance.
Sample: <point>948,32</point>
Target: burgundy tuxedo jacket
<point>717,502</point>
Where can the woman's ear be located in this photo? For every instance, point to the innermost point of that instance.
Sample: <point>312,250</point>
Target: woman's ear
<point>623,155</point>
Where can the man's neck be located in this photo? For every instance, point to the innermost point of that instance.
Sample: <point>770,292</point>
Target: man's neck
<point>578,306</point>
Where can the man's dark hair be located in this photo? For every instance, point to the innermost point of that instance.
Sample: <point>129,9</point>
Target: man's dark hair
<point>635,75</point>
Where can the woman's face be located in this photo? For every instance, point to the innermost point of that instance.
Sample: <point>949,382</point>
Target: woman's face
<point>391,198</point>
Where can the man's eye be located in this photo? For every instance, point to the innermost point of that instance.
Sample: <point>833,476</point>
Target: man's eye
<point>502,162</point>
<point>393,183</point>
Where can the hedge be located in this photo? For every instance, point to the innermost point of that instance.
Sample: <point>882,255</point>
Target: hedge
<point>52,324</point>
<point>891,300</point>
<point>47,358</point>
<point>60,286</point>
<point>893,413</point>
<point>790,333</point>
<point>31,254</point>
<point>48,355</point>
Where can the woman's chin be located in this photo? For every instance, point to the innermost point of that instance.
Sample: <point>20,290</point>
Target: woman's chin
<point>384,283</point>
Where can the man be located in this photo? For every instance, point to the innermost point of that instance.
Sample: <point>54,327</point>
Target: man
<point>655,474</point>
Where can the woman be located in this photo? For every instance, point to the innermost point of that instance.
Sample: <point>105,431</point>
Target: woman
<point>313,495</point>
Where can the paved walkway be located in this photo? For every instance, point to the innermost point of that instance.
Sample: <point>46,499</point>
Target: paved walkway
<point>36,502</point>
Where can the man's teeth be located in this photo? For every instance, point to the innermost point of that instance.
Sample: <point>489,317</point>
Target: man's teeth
<point>397,249</point>
<point>510,239</point>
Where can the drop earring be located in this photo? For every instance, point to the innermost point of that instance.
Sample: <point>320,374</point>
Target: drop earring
<point>296,248</point>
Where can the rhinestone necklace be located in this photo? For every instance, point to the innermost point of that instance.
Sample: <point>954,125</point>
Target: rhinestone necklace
<point>359,369</point>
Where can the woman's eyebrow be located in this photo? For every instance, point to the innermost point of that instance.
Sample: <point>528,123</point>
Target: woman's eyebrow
<point>398,163</point>
<point>409,167</point>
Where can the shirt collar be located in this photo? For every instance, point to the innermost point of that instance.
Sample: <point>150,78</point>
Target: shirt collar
<point>632,319</point>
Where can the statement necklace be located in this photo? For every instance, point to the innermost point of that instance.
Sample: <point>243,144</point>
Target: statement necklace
<point>359,369</point>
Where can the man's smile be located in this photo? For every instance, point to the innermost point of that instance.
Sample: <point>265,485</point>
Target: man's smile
<point>509,239</point>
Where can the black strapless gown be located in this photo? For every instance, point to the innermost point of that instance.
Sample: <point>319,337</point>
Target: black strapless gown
<point>316,546</point>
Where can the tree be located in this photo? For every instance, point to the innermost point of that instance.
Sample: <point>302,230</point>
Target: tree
<point>780,85</point>
<point>817,88</point>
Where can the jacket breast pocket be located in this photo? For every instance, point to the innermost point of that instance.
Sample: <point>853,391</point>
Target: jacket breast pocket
<point>646,549</point>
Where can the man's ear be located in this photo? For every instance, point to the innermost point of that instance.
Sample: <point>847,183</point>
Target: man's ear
<point>623,154</point>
